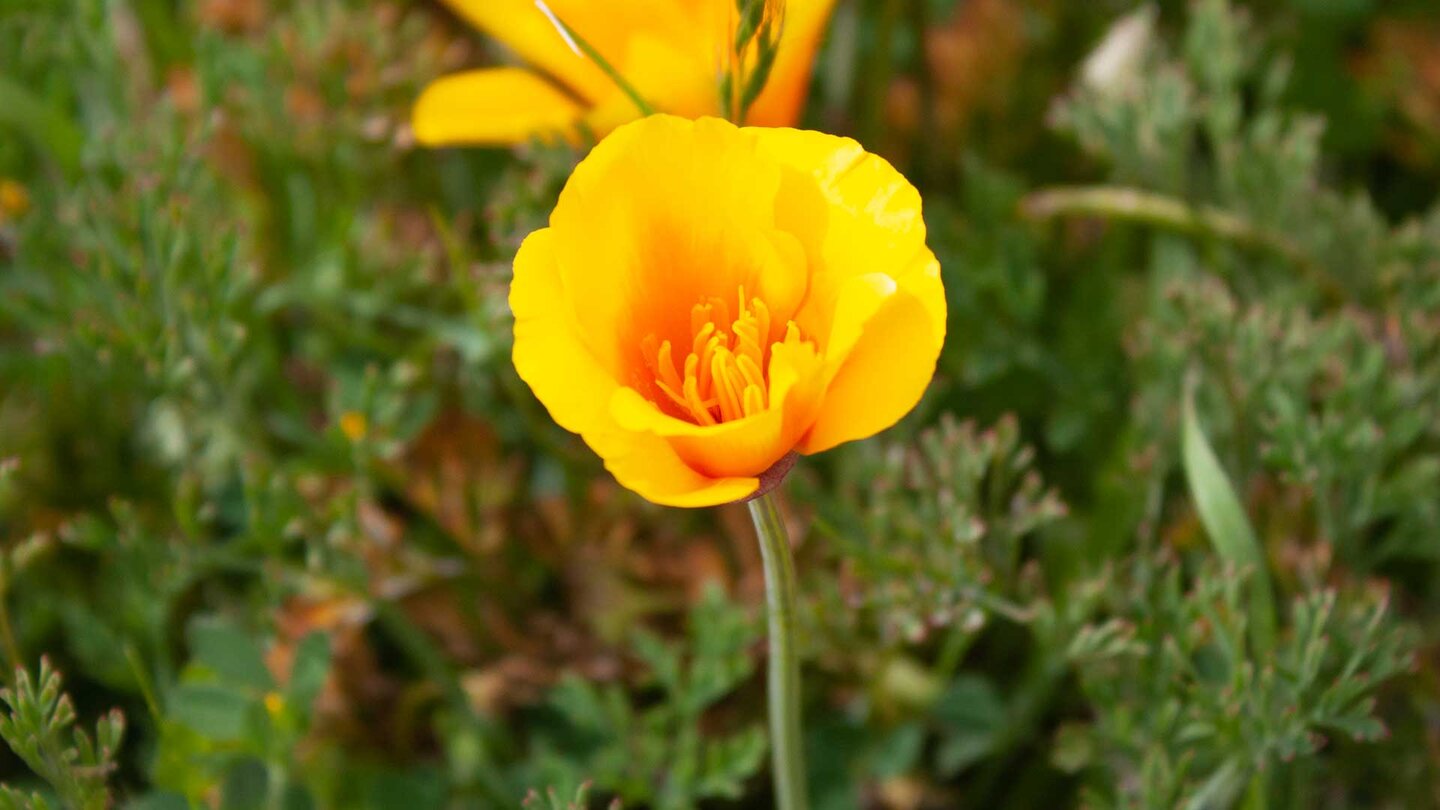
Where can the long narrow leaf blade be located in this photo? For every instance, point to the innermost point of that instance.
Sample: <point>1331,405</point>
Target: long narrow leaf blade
<point>1225,522</point>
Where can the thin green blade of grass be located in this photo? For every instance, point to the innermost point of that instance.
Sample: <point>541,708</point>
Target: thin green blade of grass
<point>583,48</point>
<point>1225,522</point>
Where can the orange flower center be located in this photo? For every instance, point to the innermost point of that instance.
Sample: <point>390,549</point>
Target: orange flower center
<point>723,377</point>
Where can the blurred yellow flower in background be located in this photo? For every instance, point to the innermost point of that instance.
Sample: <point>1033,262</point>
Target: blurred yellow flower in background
<point>14,199</point>
<point>709,299</point>
<point>354,425</point>
<point>674,52</point>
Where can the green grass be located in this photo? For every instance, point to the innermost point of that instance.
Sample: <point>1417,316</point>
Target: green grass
<point>270,487</point>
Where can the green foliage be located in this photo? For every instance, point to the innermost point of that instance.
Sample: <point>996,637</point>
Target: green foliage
<point>928,538</point>
<point>269,482</point>
<point>930,534</point>
<point>660,755</point>
<point>1188,718</point>
<point>754,47</point>
<point>38,727</point>
<point>552,800</point>
<point>228,722</point>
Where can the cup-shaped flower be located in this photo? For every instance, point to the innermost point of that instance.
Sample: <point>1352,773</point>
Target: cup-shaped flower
<point>671,51</point>
<point>709,299</point>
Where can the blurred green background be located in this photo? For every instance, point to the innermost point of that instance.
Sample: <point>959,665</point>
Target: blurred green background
<point>270,486</point>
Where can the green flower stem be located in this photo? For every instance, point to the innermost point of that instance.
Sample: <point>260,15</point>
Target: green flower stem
<point>1160,211</point>
<point>787,755</point>
<point>583,48</point>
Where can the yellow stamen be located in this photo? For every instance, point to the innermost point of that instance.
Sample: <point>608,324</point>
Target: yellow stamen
<point>725,375</point>
<point>754,400</point>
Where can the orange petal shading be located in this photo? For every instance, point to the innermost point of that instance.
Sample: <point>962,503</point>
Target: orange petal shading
<point>708,300</point>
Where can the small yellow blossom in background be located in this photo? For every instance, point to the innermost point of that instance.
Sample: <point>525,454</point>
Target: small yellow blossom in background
<point>274,703</point>
<point>709,299</point>
<point>14,199</point>
<point>354,425</point>
<point>672,51</point>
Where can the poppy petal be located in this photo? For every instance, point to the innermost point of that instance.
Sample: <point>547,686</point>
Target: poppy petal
<point>882,377</point>
<point>557,365</point>
<point>781,101</point>
<point>652,469</point>
<point>855,214</point>
<point>521,26</point>
<point>493,106</point>
<point>641,215</point>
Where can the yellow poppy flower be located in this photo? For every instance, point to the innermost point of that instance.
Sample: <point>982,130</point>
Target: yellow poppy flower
<point>670,50</point>
<point>708,299</point>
